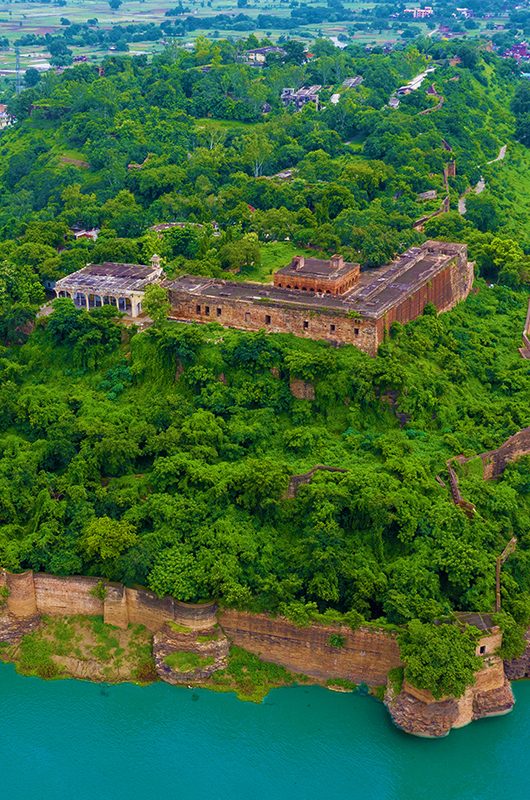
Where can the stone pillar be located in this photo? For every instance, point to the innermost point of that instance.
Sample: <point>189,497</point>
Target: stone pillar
<point>21,600</point>
<point>115,611</point>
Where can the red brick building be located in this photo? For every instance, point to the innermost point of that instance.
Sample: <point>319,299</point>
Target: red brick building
<point>316,275</point>
<point>332,300</point>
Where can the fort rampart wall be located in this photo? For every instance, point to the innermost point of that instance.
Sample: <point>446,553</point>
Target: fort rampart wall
<point>361,656</point>
<point>366,655</point>
<point>30,594</point>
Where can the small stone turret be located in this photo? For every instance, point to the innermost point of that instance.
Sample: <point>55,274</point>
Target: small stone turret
<point>156,263</point>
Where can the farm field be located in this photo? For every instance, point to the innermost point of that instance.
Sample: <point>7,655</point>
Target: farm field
<point>19,19</point>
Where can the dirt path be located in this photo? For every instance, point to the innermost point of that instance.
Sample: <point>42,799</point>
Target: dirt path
<point>502,154</point>
<point>478,189</point>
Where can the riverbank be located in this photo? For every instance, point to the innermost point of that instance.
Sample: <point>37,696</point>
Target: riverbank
<point>86,648</point>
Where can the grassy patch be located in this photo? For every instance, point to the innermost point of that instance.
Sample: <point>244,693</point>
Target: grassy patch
<point>207,637</point>
<point>178,628</point>
<point>395,679</point>
<point>250,678</point>
<point>273,256</point>
<point>35,657</point>
<point>56,647</point>
<point>341,683</point>
<point>183,661</point>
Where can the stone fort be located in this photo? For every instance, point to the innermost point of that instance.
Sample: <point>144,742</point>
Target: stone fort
<point>313,298</point>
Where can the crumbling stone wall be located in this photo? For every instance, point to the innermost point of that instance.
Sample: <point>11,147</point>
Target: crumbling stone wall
<point>310,323</point>
<point>513,448</point>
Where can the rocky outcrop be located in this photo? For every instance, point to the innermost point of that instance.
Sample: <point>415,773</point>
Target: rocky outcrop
<point>209,645</point>
<point>302,390</point>
<point>12,628</point>
<point>518,668</point>
<point>428,720</point>
<point>494,702</point>
<point>417,712</point>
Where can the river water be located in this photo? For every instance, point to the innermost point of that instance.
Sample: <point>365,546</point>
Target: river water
<point>72,739</point>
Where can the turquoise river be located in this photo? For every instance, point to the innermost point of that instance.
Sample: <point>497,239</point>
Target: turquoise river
<point>72,739</point>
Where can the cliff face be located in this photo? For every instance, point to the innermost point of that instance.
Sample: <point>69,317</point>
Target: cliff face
<point>366,656</point>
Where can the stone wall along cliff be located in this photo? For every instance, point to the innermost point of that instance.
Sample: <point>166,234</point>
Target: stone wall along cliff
<point>366,656</point>
<point>513,448</point>
<point>38,593</point>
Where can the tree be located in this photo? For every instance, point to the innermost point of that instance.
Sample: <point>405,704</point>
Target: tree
<point>439,658</point>
<point>106,539</point>
<point>155,303</point>
<point>294,52</point>
<point>32,76</point>
<point>483,211</point>
<point>115,4</point>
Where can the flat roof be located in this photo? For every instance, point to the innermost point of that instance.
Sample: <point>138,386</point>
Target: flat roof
<point>317,268</point>
<point>483,622</point>
<point>375,293</point>
<point>109,277</point>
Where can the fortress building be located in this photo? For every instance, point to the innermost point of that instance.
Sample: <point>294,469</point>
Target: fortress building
<point>314,298</point>
<point>120,285</point>
<point>331,300</point>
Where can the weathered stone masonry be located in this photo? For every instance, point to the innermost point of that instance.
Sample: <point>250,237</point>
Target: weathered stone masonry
<point>437,273</point>
<point>366,655</point>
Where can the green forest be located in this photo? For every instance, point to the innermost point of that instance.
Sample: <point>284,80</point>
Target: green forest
<point>162,458</point>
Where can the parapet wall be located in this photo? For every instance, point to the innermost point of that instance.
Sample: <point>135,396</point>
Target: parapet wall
<point>513,448</point>
<point>365,657</point>
<point>38,593</point>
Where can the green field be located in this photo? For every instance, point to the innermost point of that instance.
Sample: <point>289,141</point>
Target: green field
<point>22,18</point>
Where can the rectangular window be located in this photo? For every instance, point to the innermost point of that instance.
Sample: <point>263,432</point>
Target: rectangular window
<point>247,316</point>
<point>207,310</point>
<point>482,649</point>
<point>218,312</point>
<point>267,319</point>
<point>356,331</point>
<point>332,328</point>
<point>198,309</point>
<point>306,324</point>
